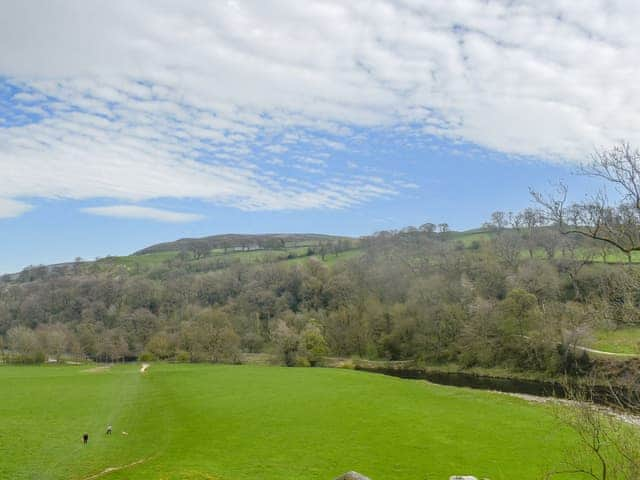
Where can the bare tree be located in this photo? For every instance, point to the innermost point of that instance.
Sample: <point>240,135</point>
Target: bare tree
<point>528,222</point>
<point>573,263</point>
<point>200,249</point>
<point>606,449</point>
<point>596,218</point>
<point>499,221</point>
<point>507,248</point>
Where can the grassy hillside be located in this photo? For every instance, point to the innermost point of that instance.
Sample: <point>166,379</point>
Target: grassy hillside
<point>623,340</point>
<point>251,422</point>
<point>290,255</point>
<point>232,240</point>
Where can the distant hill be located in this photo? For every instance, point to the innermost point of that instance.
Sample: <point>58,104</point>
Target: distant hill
<point>240,242</point>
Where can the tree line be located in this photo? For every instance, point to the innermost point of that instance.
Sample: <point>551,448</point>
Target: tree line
<point>524,293</point>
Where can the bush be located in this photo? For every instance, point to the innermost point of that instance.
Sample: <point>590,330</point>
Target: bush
<point>147,357</point>
<point>182,356</point>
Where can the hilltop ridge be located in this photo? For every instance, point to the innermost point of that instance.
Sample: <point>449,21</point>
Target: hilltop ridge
<point>240,241</point>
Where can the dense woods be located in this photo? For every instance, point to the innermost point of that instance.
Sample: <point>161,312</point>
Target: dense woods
<point>525,292</point>
<point>517,294</point>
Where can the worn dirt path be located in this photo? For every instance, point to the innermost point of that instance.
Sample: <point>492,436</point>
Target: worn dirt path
<point>602,352</point>
<point>115,469</point>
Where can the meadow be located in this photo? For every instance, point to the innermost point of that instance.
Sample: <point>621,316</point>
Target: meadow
<point>623,340</point>
<point>195,421</point>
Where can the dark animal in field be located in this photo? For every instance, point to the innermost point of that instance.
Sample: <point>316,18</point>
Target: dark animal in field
<point>85,438</point>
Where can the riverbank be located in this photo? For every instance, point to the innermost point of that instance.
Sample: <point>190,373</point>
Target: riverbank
<point>617,387</point>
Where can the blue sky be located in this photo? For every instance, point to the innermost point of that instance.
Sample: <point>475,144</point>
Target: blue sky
<point>123,124</point>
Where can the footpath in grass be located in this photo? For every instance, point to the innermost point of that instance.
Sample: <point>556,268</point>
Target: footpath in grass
<point>268,423</point>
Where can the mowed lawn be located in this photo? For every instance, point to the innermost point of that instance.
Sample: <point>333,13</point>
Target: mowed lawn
<point>251,422</point>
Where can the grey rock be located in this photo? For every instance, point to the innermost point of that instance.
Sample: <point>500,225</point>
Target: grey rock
<point>352,476</point>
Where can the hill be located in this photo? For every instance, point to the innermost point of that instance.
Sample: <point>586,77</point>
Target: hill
<point>457,297</point>
<point>241,242</point>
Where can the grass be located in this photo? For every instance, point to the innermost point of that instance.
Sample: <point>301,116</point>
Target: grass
<point>298,252</point>
<point>141,261</point>
<point>624,340</point>
<point>267,423</point>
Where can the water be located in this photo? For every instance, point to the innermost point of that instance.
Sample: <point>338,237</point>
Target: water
<point>620,397</point>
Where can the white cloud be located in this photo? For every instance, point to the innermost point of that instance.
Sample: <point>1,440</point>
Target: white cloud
<point>144,213</point>
<point>149,99</point>
<point>276,148</point>
<point>12,208</point>
<point>28,97</point>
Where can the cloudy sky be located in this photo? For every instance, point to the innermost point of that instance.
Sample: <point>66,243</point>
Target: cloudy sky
<point>127,123</point>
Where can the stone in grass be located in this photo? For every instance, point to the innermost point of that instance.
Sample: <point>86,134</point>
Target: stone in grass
<point>352,476</point>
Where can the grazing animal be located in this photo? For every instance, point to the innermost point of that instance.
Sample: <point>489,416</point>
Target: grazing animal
<point>109,429</point>
<point>85,438</point>
<point>125,433</point>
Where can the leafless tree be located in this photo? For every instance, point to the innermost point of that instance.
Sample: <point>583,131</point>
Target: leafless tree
<point>507,248</point>
<point>528,222</point>
<point>573,262</point>
<point>617,225</point>
<point>607,448</point>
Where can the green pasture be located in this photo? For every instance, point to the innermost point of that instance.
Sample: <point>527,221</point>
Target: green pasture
<point>263,423</point>
<point>298,254</point>
<point>623,340</point>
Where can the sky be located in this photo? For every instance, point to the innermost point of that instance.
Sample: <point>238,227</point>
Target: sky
<point>123,124</point>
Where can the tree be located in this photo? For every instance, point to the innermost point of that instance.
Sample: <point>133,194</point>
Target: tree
<point>287,342</point>
<point>161,346</point>
<point>23,341</point>
<point>607,448</point>
<point>507,247</point>
<point>529,221</point>
<point>499,221</point>
<point>619,224</point>
<point>200,249</point>
<point>112,345</point>
<point>313,342</point>
<point>141,325</point>
<point>219,341</point>
<point>573,264</point>
<point>519,308</point>
<point>323,250</point>
<point>88,338</point>
<point>549,239</point>
<point>428,228</point>
<point>53,339</point>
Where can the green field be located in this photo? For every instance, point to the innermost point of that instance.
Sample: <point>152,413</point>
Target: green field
<point>252,422</point>
<point>295,254</point>
<point>624,340</point>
